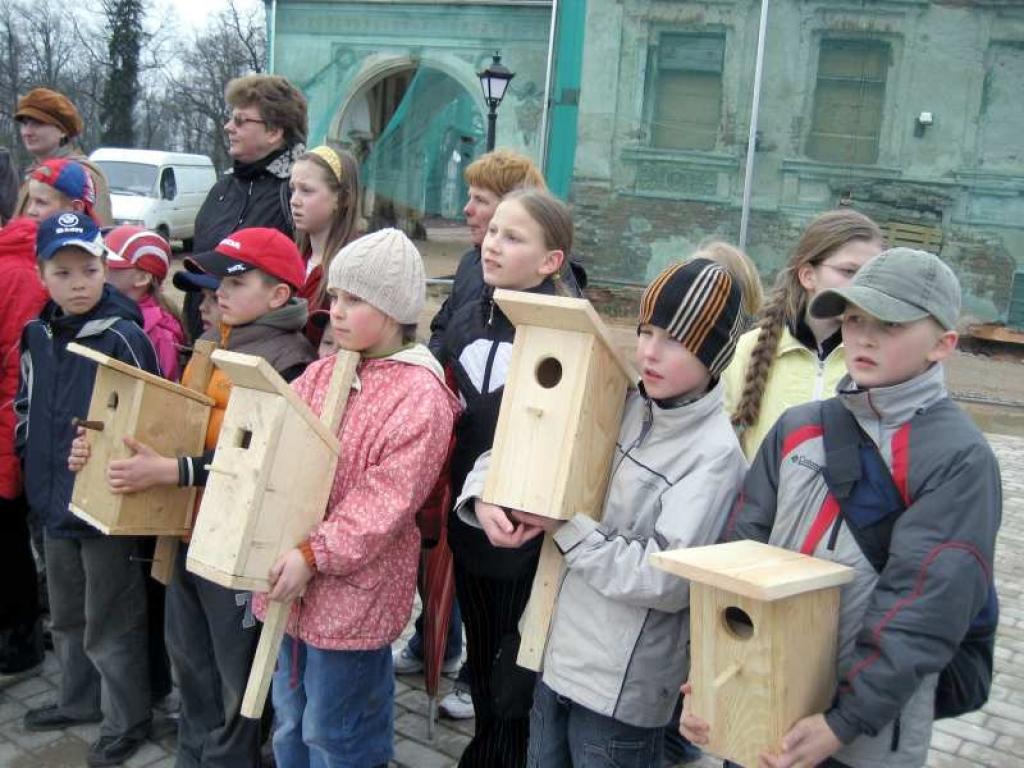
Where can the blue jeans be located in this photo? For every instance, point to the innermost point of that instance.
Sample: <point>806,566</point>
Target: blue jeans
<point>563,733</point>
<point>453,644</point>
<point>339,712</point>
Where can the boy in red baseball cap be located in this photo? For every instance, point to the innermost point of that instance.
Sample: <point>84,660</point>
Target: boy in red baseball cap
<point>211,637</point>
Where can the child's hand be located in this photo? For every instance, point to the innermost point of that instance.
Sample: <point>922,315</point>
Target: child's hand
<point>289,576</point>
<point>141,471</point>
<point>809,742</point>
<point>500,529</point>
<point>693,729</point>
<point>549,524</point>
<point>80,451</point>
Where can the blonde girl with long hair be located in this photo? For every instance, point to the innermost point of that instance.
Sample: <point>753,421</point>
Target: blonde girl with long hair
<point>790,357</point>
<point>325,208</point>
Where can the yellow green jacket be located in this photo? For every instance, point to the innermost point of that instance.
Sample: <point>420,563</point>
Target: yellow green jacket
<point>797,376</point>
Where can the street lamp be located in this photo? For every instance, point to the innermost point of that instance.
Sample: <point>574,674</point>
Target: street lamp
<point>494,80</point>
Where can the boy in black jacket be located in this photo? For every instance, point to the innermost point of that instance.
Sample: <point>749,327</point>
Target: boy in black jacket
<point>97,592</point>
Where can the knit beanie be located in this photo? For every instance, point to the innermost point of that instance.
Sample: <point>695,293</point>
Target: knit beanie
<point>384,269</point>
<point>698,304</point>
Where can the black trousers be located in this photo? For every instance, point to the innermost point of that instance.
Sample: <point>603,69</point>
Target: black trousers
<point>490,615</point>
<point>21,644</point>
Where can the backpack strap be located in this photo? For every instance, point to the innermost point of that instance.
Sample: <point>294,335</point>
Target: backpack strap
<point>842,438</point>
<point>860,482</point>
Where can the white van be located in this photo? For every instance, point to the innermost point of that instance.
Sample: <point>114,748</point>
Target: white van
<point>161,191</point>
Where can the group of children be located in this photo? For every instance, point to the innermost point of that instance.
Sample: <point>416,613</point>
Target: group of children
<point>617,652</point>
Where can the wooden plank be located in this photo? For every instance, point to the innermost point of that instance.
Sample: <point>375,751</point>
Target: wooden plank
<point>994,332</point>
<point>138,373</point>
<point>166,549</point>
<point>253,372</point>
<point>276,620</point>
<point>754,570</point>
<point>562,313</point>
<point>536,619</point>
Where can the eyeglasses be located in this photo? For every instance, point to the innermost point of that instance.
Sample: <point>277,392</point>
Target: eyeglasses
<point>240,120</point>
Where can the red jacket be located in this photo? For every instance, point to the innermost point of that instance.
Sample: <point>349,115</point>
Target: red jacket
<point>394,436</point>
<point>22,297</point>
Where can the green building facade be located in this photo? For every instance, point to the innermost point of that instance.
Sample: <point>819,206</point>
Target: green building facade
<point>908,110</point>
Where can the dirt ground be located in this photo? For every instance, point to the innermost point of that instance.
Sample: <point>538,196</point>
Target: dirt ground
<point>987,378</point>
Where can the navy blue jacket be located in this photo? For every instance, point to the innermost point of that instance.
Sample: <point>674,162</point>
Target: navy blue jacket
<point>56,385</point>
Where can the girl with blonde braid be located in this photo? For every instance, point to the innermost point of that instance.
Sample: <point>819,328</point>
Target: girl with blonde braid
<point>791,357</point>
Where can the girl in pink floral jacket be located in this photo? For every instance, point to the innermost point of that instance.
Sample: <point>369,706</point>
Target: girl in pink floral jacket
<point>355,575</point>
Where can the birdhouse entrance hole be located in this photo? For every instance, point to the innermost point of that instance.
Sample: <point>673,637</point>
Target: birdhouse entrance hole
<point>243,438</point>
<point>112,401</point>
<point>549,372</point>
<point>737,622</point>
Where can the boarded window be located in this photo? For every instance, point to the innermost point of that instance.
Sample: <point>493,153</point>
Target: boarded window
<point>687,91</point>
<point>1002,113</point>
<point>848,100</point>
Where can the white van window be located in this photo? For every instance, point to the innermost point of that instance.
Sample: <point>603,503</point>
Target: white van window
<point>129,178</point>
<point>168,185</point>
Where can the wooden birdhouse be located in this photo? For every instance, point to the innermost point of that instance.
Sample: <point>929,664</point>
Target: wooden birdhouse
<point>561,409</point>
<point>129,402</point>
<point>270,477</point>
<point>560,415</point>
<point>763,627</point>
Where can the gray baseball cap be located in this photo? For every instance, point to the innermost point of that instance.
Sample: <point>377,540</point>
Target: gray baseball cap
<point>899,285</point>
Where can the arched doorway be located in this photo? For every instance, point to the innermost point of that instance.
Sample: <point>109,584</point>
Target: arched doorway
<point>414,128</point>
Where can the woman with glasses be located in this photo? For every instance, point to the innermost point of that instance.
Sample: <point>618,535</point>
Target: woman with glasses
<point>266,133</point>
<point>791,357</point>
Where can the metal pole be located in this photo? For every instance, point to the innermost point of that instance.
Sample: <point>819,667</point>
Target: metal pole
<point>492,126</point>
<point>545,113</point>
<point>755,110</point>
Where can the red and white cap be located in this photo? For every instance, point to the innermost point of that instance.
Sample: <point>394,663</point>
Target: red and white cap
<point>139,248</point>
<point>254,248</point>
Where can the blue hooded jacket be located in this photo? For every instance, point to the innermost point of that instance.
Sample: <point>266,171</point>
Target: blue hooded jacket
<point>56,385</point>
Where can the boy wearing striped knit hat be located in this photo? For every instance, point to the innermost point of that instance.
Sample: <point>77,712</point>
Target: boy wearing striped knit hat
<point>675,474</point>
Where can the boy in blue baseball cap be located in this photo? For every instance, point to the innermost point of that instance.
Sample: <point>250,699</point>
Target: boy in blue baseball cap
<point>97,590</point>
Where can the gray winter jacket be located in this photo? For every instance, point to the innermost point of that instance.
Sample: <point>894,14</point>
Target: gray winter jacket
<point>897,629</point>
<point>619,636</point>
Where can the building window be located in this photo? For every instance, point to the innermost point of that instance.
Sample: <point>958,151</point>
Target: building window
<point>687,91</point>
<point>848,100</point>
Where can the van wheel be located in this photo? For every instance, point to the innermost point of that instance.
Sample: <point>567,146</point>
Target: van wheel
<point>164,232</point>
<point>187,244</point>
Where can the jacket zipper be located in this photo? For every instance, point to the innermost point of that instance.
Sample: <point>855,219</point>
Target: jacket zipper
<point>819,380</point>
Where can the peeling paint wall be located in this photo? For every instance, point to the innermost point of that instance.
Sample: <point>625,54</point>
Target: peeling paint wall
<point>961,178</point>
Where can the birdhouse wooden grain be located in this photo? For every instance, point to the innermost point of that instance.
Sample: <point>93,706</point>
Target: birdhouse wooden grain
<point>561,409</point>
<point>270,477</point>
<point>763,626</point>
<point>560,415</point>
<point>129,402</point>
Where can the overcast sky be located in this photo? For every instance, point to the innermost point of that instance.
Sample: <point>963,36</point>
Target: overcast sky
<point>192,14</point>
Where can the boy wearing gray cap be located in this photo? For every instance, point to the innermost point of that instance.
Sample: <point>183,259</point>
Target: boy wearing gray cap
<point>891,478</point>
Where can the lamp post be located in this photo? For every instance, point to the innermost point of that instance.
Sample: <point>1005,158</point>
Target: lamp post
<point>494,80</point>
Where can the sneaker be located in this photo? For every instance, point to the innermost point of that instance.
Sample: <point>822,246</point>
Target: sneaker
<point>50,718</point>
<point>406,662</point>
<point>458,705</point>
<point>112,750</point>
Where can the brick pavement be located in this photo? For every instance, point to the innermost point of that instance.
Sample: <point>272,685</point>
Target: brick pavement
<point>993,737</point>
